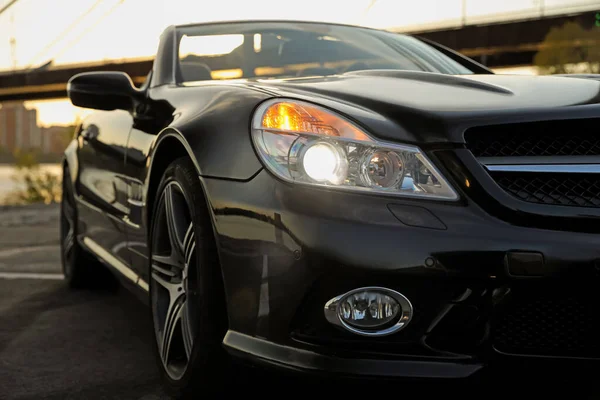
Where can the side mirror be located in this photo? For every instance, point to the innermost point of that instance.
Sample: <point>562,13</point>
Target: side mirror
<point>103,91</point>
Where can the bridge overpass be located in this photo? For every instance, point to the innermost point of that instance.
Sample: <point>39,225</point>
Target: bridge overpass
<point>509,43</point>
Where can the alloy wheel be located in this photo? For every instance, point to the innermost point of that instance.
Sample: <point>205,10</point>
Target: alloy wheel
<point>174,283</point>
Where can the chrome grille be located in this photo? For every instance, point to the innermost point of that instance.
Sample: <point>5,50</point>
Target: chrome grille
<point>548,162</point>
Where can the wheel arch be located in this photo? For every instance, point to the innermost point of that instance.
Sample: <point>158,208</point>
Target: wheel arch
<point>169,146</point>
<point>71,161</point>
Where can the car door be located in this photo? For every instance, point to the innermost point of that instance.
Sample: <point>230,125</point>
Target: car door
<point>102,189</point>
<point>146,127</point>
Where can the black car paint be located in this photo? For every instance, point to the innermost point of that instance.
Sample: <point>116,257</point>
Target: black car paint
<point>303,242</point>
<point>101,155</point>
<point>197,126</point>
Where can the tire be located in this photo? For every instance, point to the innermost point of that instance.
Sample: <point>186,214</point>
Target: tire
<point>81,270</point>
<point>186,291</point>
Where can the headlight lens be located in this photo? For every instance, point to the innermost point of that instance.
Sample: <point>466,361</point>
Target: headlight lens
<point>324,162</point>
<point>303,143</point>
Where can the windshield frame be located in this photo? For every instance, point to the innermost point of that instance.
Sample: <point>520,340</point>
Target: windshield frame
<point>171,39</point>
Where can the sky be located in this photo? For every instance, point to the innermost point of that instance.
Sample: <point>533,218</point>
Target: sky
<point>71,31</point>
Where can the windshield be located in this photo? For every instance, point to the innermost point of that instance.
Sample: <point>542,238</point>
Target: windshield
<point>293,49</point>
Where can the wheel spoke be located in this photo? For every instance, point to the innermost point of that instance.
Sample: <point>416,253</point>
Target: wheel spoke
<point>172,321</point>
<point>162,270</point>
<point>166,261</point>
<point>176,299</point>
<point>171,214</point>
<point>189,243</point>
<point>172,287</point>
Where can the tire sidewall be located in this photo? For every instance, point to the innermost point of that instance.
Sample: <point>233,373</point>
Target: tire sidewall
<point>203,355</point>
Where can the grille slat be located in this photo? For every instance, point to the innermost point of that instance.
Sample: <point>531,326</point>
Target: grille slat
<point>530,146</point>
<point>569,138</point>
<point>575,190</point>
<point>548,138</point>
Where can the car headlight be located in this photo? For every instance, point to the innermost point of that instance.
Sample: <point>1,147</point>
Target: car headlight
<point>303,143</point>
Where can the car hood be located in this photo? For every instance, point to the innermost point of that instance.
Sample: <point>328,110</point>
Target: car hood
<point>438,92</point>
<point>418,100</point>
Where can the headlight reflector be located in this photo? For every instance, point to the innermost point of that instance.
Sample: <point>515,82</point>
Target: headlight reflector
<point>383,169</point>
<point>324,162</point>
<point>303,143</point>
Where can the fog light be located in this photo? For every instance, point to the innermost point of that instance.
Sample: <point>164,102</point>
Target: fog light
<point>370,311</point>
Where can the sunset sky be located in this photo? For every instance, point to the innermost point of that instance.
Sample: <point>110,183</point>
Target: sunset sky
<point>69,31</point>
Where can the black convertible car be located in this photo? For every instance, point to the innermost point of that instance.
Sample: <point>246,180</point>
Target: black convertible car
<point>328,198</point>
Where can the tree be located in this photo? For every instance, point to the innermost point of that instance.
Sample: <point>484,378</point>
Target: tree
<point>25,159</point>
<point>570,49</point>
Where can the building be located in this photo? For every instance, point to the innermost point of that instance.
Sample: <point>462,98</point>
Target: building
<point>19,131</point>
<point>18,128</point>
<point>55,138</point>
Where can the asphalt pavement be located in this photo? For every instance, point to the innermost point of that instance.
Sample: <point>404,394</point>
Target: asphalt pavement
<point>61,344</point>
<point>58,344</point>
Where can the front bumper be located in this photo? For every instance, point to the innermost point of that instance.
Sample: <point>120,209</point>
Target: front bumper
<point>485,292</point>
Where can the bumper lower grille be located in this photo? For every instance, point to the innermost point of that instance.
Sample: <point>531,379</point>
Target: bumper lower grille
<point>575,190</point>
<point>549,324</point>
